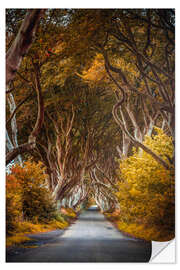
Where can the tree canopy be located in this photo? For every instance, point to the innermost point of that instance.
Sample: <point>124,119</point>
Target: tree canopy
<point>84,87</point>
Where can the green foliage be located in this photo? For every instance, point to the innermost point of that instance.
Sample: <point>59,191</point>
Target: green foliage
<point>59,217</point>
<point>146,190</point>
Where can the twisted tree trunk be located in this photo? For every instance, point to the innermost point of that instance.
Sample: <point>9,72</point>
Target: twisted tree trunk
<point>22,42</point>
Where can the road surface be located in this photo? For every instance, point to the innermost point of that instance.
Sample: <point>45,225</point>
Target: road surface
<point>91,239</point>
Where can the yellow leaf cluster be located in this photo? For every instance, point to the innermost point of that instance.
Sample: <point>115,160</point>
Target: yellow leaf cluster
<point>146,195</point>
<point>97,70</point>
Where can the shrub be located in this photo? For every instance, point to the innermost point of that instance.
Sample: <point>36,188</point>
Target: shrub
<point>59,217</point>
<point>27,195</point>
<point>146,190</point>
<point>13,203</point>
<point>68,212</point>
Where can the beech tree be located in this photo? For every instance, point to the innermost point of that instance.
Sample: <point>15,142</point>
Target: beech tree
<point>156,81</point>
<point>147,199</point>
<point>22,42</point>
<point>92,85</point>
<point>14,56</point>
<point>72,142</point>
<point>133,45</point>
<point>13,153</point>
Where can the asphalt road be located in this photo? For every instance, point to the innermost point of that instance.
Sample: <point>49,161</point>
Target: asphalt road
<point>91,239</point>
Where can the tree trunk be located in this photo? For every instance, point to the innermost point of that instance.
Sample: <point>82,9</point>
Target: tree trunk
<point>134,141</point>
<point>39,122</point>
<point>22,42</point>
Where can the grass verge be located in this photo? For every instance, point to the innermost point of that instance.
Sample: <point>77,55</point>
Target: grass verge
<point>140,231</point>
<point>61,221</point>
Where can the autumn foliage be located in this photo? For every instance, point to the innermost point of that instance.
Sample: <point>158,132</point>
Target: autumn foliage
<point>13,203</point>
<point>146,192</point>
<point>81,99</point>
<point>27,196</point>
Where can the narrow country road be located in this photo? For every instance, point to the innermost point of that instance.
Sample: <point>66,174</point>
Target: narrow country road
<point>91,239</point>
